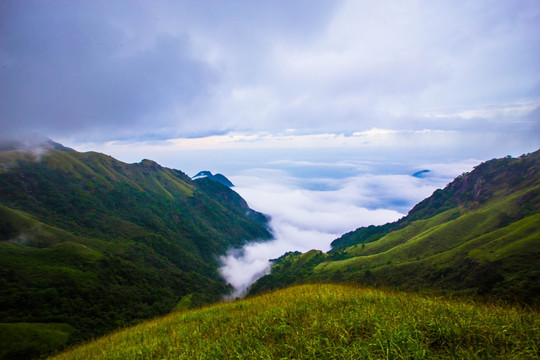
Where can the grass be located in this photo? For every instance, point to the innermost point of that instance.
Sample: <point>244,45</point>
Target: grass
<point>329,322</point>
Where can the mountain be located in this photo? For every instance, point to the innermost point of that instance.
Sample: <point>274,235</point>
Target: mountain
<point>217,177</point>
<point>326,321</point>
<point>480,235</point>
<point>89,244</point>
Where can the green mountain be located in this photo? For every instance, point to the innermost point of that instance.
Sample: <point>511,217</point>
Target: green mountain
<point>479,235</point>
<point>89,244</point>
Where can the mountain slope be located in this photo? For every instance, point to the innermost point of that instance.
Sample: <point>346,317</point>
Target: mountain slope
<point>478,235</point>
<point>94,243</point>
<point>328,322</point>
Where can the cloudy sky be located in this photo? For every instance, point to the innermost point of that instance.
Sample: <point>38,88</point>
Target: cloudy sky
<point>96,71</point>
<point>329,106</point>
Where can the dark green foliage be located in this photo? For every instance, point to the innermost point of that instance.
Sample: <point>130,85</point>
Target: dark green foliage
<point>98,244</point>
<point>479,235</point>
<point>23,340</point>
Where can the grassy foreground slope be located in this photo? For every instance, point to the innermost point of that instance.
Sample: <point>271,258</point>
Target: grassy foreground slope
<point>89,244</point>
<point>480,235</point>
<point>328,322</point>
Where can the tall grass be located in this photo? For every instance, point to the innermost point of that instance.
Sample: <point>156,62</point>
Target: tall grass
<point>328,322</point>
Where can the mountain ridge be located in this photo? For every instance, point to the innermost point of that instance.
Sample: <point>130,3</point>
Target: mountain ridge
<point>479,236</point>
<point>467,186</point>
<point>94,243</point>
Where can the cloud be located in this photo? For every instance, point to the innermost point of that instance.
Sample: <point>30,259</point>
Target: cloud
<point>391,61</point>
<point>127,69</point>
<point>140,70</point>
<point>374,138</point>
<point>242,267</point>
<point>71,70</point>
<point>304,219</point>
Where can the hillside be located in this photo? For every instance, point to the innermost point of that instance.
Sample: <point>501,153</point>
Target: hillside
<point>328,322</point>
<point>89,244</point>
<point>480,235</point>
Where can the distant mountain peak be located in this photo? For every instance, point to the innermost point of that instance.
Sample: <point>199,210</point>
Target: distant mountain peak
<point>205,174</point>
<point>202,174</point>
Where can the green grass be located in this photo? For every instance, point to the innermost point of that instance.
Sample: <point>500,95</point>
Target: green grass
<point>425,238</point>
<point>329,322</point>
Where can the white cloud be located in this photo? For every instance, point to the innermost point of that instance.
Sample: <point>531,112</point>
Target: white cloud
<point>373,138</point>
<point>304,219</point>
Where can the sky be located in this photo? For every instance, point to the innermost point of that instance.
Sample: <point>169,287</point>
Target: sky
<point>319,111</point>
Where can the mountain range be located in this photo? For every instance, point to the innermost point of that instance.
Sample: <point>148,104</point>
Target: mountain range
<point>89,244</point>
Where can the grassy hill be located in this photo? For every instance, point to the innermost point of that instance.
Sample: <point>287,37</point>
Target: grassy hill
<point>480,235</point>
<point>328,322</point>
<point>89,244</point>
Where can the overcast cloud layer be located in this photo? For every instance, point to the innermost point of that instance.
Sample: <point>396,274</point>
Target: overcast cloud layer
<point>93,71</point>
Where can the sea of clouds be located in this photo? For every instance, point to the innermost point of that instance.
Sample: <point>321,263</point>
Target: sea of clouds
<point>318,191</point>
<point>311,204</point>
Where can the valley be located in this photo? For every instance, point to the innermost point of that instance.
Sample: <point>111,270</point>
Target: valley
<point>90,245</point>
<point>479,236</point>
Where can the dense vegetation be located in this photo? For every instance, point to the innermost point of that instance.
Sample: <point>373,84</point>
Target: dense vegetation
<point>480,235</point>
<point>329,322</point>
<point>89,244</point>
